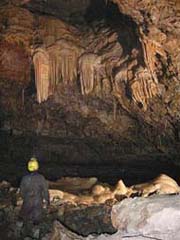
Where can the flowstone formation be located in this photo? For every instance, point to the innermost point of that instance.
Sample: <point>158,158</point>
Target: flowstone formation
<point>99,69</point>
<point>158,23</point>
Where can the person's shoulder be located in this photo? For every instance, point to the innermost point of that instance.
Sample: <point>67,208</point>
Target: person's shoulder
<point>40,176</point>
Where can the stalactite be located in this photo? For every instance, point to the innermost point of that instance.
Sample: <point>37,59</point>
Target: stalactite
<point>151,48</point>
<point>58,63</point>
<point>88,69</point>
<point>114,109</point>
<point>63,62</point>
<point>41,65</point>
<point>143,87</point>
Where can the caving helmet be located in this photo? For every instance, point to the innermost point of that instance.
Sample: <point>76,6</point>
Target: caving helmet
<point>33,164</point>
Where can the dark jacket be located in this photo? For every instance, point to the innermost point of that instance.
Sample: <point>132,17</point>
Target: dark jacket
<point>34,190</point>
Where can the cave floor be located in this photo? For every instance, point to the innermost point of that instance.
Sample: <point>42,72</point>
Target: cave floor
<point>15,151</point>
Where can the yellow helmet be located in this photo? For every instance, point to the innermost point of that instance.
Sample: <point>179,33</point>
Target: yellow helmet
<point>33,165</point>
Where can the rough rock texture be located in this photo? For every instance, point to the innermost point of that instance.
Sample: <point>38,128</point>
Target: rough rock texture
<point>14,71</point>
<point>139,218</point>
<point>158,24</point>
<point>113,75</point>
<point>81,218</point>
<point>154,217</point>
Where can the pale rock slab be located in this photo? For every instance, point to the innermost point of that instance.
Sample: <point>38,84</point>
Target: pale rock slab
<point>156,217</point>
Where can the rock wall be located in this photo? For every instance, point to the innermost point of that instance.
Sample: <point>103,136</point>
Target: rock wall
<point>121,66</point>
<point>158,24</point>
<point>14,70</point>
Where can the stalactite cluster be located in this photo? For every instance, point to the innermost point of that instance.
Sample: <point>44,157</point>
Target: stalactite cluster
<point>143,87</point>
<point>57,63</point>
<point>151,49</point>
<point>99,57</point>
<point>61,46</point>
<point>64,57</point>
<point>125,57</point>
<point>85,57</point>
<point>96,58</point>
<point>70,58</point>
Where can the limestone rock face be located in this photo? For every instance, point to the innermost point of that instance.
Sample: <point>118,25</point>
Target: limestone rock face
<point>14,71</point>
<point>114,64</point>
<point>16,25</point>
<point>158,24</point>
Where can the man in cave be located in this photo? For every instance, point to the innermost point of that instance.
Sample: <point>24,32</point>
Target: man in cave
<point>34,191</point>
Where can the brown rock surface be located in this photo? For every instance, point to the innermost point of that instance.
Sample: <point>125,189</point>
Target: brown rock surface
<point>117,75</point>
<point>14,71</point>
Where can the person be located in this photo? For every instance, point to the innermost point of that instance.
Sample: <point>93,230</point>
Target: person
<point>34,192</point>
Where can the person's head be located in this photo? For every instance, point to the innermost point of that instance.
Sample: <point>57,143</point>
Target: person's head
<point>33,165</point>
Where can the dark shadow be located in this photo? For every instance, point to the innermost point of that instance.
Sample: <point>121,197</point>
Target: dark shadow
<point>96,11</point>
<point>1,114</point>
<point>124,25</point>
<point>31,88</point>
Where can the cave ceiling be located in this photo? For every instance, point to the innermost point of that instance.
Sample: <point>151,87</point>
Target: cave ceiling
<point>122,55</point>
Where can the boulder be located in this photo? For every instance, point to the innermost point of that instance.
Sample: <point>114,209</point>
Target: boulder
<point>156,217</point>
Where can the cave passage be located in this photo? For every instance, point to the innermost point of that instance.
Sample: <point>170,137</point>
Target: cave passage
<point>91,89</point>
<point>56,163</point>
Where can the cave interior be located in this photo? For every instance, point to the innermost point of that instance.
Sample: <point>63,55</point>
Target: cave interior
<point>91,88</point>
<point>84,90</point>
